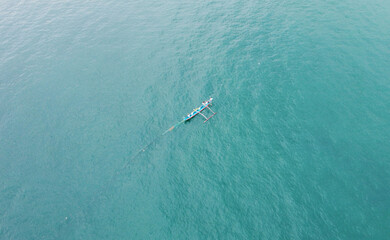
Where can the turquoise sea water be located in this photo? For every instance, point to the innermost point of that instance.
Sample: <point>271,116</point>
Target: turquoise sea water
<point>299,148</point>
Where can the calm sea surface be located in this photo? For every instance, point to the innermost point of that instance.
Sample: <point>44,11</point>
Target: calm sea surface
<point>299,148</point>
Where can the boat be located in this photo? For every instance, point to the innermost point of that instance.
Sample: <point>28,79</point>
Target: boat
<point>198,110</point>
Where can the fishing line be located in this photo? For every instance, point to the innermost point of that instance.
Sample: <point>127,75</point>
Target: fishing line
<point>112,180</point>
<point>161,135</point>
<point>171,128</point>
<point>155,139</point>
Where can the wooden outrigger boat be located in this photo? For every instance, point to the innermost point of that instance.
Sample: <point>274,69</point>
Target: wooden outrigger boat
<point>195,112</point>
<point>198,110</point>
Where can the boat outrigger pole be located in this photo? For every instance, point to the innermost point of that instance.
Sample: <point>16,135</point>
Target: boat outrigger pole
<point>210,116</point>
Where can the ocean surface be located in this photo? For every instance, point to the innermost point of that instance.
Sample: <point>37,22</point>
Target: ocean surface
<point>299,147</point>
